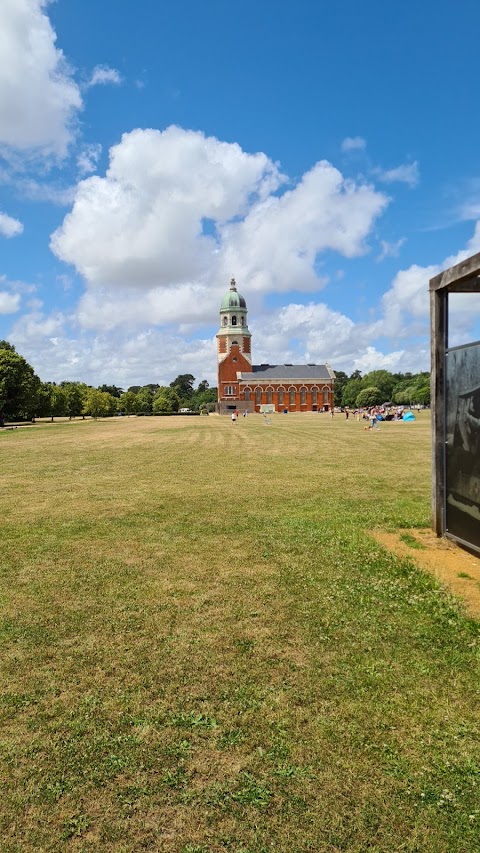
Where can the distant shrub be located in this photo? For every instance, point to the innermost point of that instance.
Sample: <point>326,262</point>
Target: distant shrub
<point>369,397</point>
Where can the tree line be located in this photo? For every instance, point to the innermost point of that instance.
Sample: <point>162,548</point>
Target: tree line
<point>381,386</point>
<point>23,396</point>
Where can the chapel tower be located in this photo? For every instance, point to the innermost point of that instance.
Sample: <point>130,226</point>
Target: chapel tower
<point>234,353</point>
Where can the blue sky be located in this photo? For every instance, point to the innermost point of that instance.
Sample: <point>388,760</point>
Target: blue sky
<point>325,154</point>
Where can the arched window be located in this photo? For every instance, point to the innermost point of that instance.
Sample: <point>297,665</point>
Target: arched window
<point>280,396</point>
<point>225,321</point>
<point>325,396</point>
<point>258,396</point>
<point>292,396</point>
<point>314,396</point>
<point>247,395</point>
<point>269,395</point>
<point>303,396</point>
<point>234,320</point>
<point>241,320</point>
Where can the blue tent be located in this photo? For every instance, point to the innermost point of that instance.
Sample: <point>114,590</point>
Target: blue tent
<point>409,416</point>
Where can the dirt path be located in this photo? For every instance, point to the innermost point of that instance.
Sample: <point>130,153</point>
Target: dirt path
<point>453,566</point>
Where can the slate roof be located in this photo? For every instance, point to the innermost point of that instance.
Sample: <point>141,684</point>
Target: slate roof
<point>292,372</point>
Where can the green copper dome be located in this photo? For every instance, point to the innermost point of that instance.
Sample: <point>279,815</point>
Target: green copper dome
<point>233,299</point>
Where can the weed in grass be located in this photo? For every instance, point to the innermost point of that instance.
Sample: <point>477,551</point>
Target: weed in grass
<point>410,540</point>
<point>464,575</point>
<point>252,792</point>
<point>192,720</point>
<point>174,778</point>
<point>244,646</point>
<point>181,749</point>
<point>75,826</point>
<point>231,738</point>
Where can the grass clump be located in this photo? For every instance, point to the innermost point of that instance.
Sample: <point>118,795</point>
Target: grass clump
<point>410,540</point>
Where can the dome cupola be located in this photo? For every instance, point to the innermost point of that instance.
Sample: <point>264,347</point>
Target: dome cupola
<point>233,331</point>
<point>233,310</point>
<point>233,299</point>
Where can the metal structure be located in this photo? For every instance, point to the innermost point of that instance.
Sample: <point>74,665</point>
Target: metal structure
<point>455,401</point>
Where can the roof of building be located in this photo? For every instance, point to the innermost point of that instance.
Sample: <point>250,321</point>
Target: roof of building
<point>233,299</point>
<point>312,372</point>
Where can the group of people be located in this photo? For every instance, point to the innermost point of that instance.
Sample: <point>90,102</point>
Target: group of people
<point>374,414</point>
<point>235,415</point>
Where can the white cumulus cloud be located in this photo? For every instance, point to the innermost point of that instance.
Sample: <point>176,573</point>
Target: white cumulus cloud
<point>406,304</point>
<point>180,212</point>
<point>87,158</point>
<point>103,75</point>
<point>314,333</point>
<point>390,250</point>
<point>59,351</point>
<point>353,143</point>
<point>39,99</point>
<point>10,227</point>
<point>408,173</point>
<point>150,208</point>
<point>275,247</point>
<point>9,302</point>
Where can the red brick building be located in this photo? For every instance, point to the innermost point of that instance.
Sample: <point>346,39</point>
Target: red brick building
<point>243,385</point>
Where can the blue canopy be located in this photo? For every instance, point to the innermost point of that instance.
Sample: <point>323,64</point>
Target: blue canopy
<point>409,416</point>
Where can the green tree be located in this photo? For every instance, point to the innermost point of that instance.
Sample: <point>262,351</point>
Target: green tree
<point>207,398</point>
<point>166,401</point>
<point>202,386</point>
<point>404,397</point>
<point>19,385</point>
<point>127,403</point>
<point>422,395</point>
<point>351,391</point>
<point>341,380</point>
<point>183,385</point>
<point>54,400</point>
<point>111,389</point>
<point>76,393</point>
<point>381,379</point>
<point>97,403</point>
<point>144,400</point>
<point>369,397</point>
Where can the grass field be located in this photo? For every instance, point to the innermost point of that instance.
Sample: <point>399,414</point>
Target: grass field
<point>204,650</point>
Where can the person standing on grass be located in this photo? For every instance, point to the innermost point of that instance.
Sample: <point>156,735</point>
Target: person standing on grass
<point>331,412</point>
<point>347,412</point>
<point>372,419</point>
<point>234,417</point>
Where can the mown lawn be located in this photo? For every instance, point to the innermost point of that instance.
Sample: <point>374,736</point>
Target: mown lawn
<point>203,649</point>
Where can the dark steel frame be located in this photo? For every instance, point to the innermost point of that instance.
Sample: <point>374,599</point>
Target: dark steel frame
<point>461,278</point>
